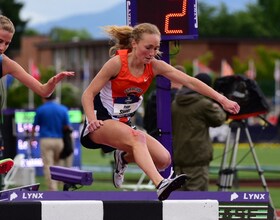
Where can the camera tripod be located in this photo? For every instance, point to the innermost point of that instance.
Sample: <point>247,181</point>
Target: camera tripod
<point>227,173</point>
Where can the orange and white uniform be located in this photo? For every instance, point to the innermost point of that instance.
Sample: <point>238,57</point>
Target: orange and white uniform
<point>120,98</point>
<point>122,95</point>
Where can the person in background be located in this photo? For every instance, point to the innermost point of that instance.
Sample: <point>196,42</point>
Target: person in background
<point>278,127</point>
<point>150,113</point>
<point>52,118</point>
<point>192,115</point>
<point>67,154</point>
<point>9,66</point>
<point>115,94</point>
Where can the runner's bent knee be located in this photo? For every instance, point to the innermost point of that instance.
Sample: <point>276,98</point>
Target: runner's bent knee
<point>164,162</point>
<point>137,139</point>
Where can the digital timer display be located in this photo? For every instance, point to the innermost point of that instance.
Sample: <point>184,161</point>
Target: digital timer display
<point>176,19</point>
<point>245,211</point>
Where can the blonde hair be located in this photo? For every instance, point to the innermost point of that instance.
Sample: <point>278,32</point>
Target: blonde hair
<point>122,36</point>
<point>6,24</point>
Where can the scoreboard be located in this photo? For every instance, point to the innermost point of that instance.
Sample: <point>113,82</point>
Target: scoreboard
<point>176,19</point>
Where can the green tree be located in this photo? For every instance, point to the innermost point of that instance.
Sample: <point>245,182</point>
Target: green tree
<point>31,32</point>
<point>265,64</point>
<point>11,9</point>
<point>215,22</point>
<point>258,20</point>
<point>64,35</point>
<point>249,24</point>
<point>17,95</point>
<point>270,12</point>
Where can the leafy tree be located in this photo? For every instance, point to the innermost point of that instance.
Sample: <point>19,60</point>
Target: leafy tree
<point>70,95</point>
<point>17,95</point>
<point>270,14</point>
<point>258,20</point>
<point>265,64</point>
<point>11,9</point>
<point>31,32</point>
<point>64,35</point>
<point>249,24</point>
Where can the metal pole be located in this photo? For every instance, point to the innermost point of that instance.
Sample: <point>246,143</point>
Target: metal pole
<point>164,110</point>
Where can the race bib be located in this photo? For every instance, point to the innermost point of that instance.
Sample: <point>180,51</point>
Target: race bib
<point>126,106</point>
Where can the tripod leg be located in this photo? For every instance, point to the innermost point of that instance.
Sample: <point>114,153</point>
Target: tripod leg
<point>222,177</point>
<point>232,166</point>
<point>258,167</point>
<point>226,173</point>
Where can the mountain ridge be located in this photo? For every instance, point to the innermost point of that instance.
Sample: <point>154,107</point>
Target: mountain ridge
<point>92,22</point>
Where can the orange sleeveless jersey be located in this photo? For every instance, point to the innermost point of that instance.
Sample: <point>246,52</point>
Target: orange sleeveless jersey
<point>122,95</point>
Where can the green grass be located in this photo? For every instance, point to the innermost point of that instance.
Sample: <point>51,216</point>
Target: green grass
<point>267,154</point>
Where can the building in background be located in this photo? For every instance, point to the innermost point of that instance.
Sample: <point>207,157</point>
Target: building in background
<point>73,55</point>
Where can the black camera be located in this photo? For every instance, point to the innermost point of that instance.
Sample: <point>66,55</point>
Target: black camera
<point>245,92</point>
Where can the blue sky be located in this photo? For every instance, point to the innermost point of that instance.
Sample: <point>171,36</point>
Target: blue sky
<point>41,11</point>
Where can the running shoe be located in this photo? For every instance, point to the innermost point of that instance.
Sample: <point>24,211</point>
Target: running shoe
<point>168,185</point>
<point>6,165</point>
<point>119,169</point>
